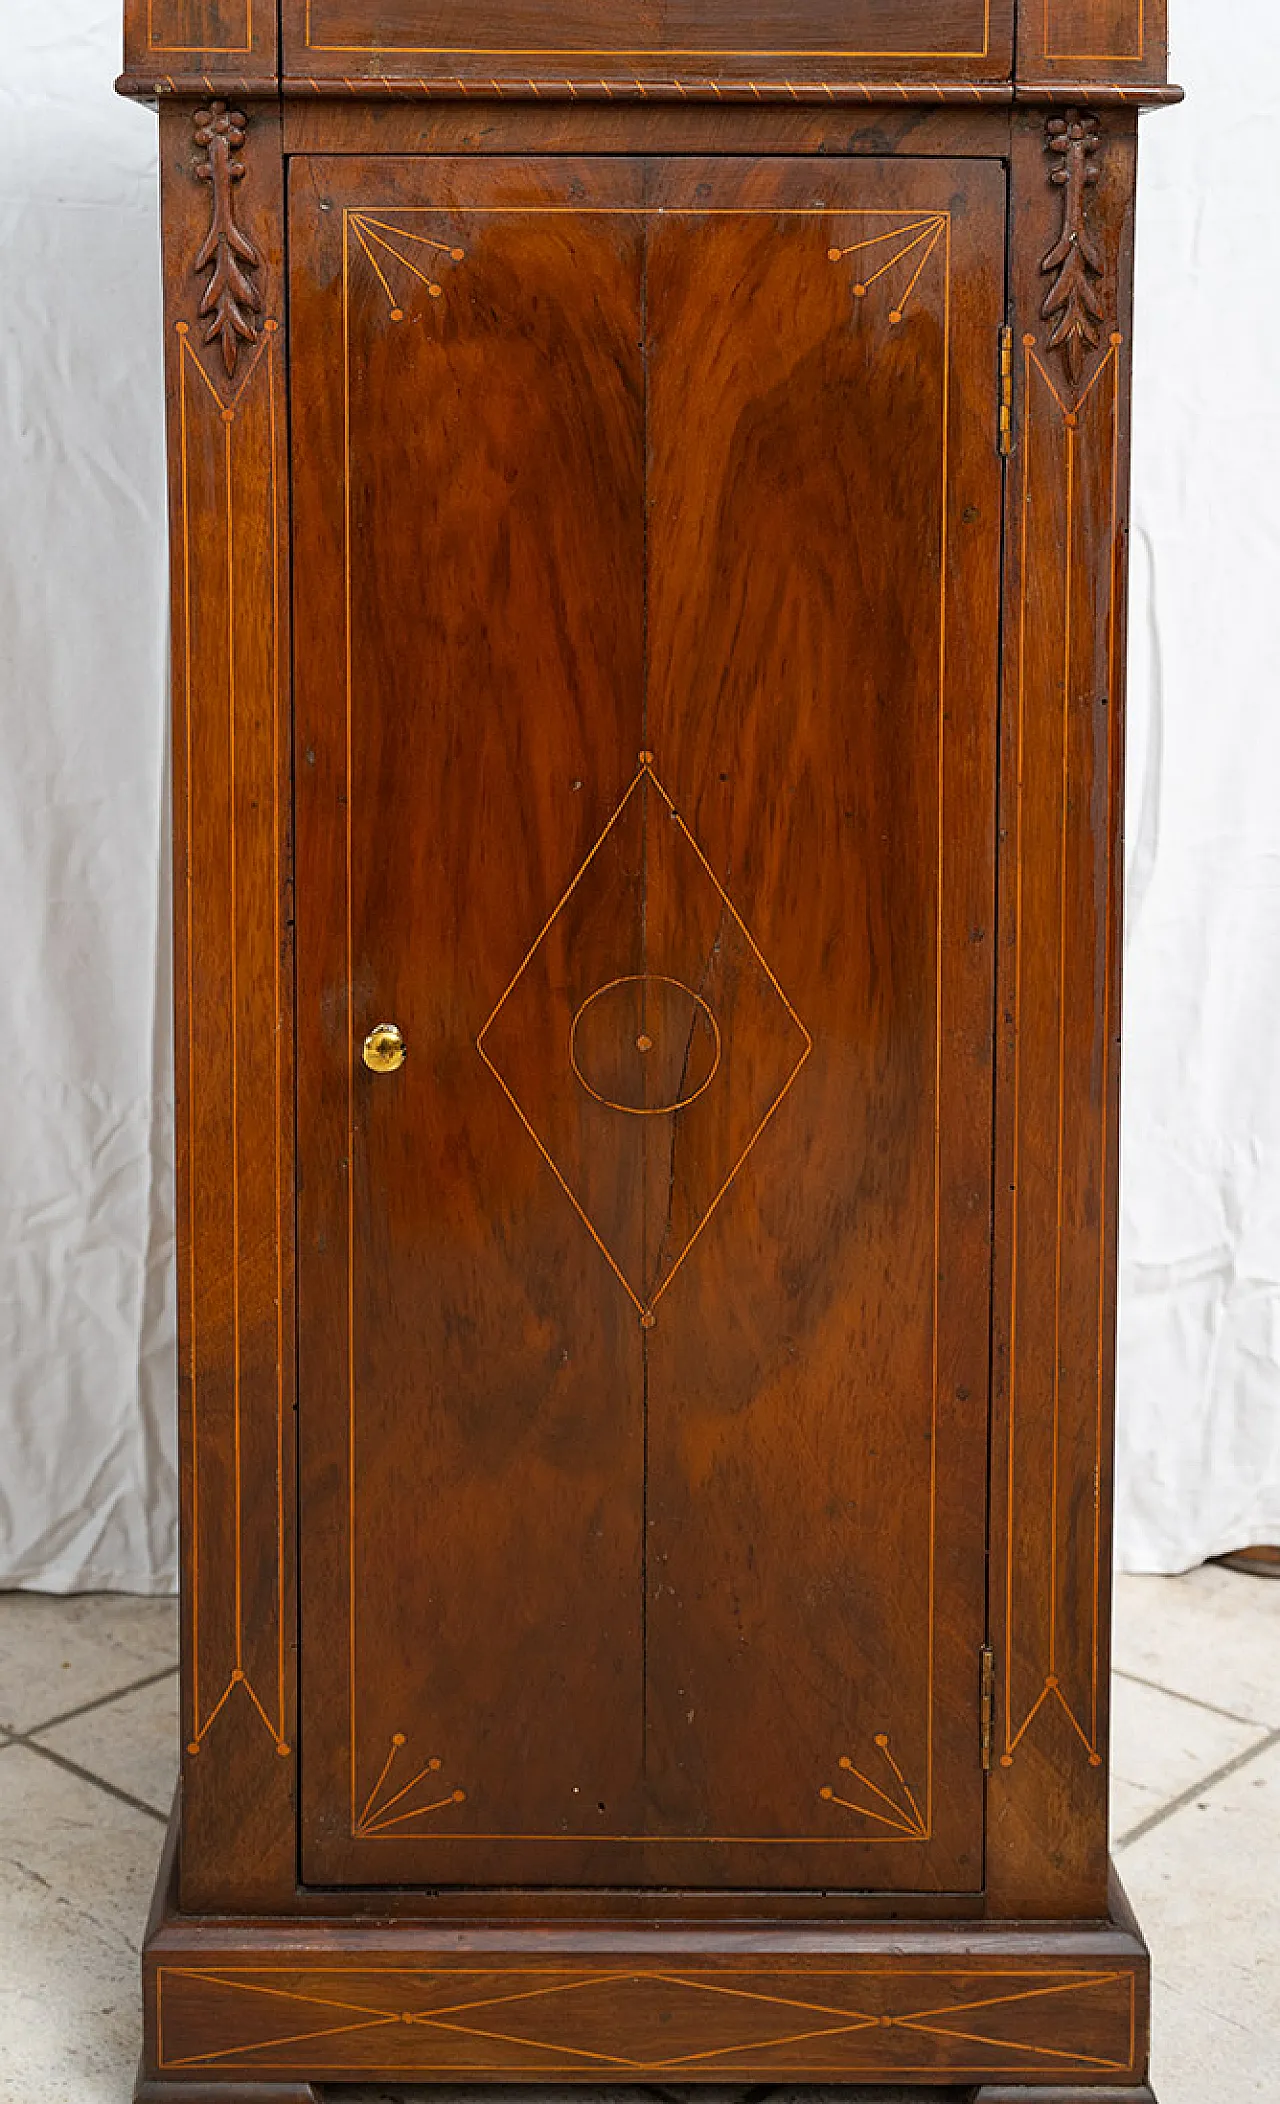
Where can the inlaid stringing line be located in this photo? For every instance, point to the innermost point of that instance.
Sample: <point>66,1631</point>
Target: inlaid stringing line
<point>630,51</point>
<point>226,50</point>
<point>937,1081</point>
<point>374,1820</point>
<point>1111,360</point>
<point>226,404</point>
<point>614,211</point>
<point>797,2071</point>
<point>455,255</point>
<point>391,298</point>
<point>908,1818</point>
<point>234,962</point>
<point>666,1840</point>
<point>1015,1219</point>
<point>368,229</point>
<point>1103,1159</point>
<point>926,234</point>
<point>405,1788</point>
<point>641,211</point>
<point>636,780</point>
<point>385,1826</point>
<point>777,2001</point>
<point>906,1787</point>
<point>853,2020</point>
<point>618,1274</point>
<point>275,1733</point>
<point>902,255</point>
<point>893,233</point>
<point>1099,58</point>
<point>564,898</point>
<point>386,1770</point>
<point>351,1082</point>
<point>228,408</point>
<point>646,775</point>
<point>277,969</point>
<point>898,1827</point>
<point>647,769</point>
<point>1063,1975</point>
<point>1052,1683</point>
<point>227,2055</point>
<point>1028,1994</point>
<point>235,1976</point>
<point>368,234</point>
<point>977,2038</point>
<point>191,1046</point>
<point>213,1715</point>
<point>1064,846</point>
<point>920,267</point>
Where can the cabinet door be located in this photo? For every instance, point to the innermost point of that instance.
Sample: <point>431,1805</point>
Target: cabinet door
<point>646,593</point>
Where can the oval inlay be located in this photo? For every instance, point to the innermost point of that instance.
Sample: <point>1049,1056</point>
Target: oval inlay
<point>645,1045</point>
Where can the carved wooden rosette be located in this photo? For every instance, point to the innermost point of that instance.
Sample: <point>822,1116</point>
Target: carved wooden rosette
<point>230,625</point>
<point>1059,1013</point>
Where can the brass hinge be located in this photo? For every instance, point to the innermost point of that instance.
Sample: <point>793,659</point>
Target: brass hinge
<point>986,1703</point>
<point>1006,392</point>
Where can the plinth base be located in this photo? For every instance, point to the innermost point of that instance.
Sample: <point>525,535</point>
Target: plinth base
<point>255,2010</point>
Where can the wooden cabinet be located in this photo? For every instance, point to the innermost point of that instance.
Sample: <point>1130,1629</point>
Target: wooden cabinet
<point>648,500</point>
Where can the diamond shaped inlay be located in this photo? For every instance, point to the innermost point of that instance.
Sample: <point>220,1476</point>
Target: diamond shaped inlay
<point>644,1042</point>
<point>838,2020</point>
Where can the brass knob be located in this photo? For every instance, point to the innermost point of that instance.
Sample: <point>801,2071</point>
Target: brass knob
<point>384,1049</point>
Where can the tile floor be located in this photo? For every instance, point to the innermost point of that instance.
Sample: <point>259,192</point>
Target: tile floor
<point>88,1724</point>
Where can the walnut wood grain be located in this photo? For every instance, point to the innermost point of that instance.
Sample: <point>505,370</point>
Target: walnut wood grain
<point>700,44</point>
<point>666,2020</point>
<point>1058,1070</point>
<point>325,125</point>
<point>876,1162</point>
<point>642,475</point>
<point>229,527</point>
<point>872,1778</point>
<point>877,50</point>
<point>591,2002</point>
<point>1119,42</point>
<point>210,42</point>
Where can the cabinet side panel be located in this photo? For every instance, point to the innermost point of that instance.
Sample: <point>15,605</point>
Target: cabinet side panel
<point>1058,1016</point>
<point>233,915</point>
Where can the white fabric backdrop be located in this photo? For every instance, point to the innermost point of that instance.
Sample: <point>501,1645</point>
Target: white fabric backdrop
<point>86,1302</point>
<point>87,1484</point>
<point>1199,1459</point>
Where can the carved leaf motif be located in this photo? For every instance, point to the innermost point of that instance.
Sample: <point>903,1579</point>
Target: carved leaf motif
<point>231,304</point>
<point>1072,303</point>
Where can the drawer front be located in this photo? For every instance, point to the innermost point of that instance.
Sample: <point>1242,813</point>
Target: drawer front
<point>584,42</point>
